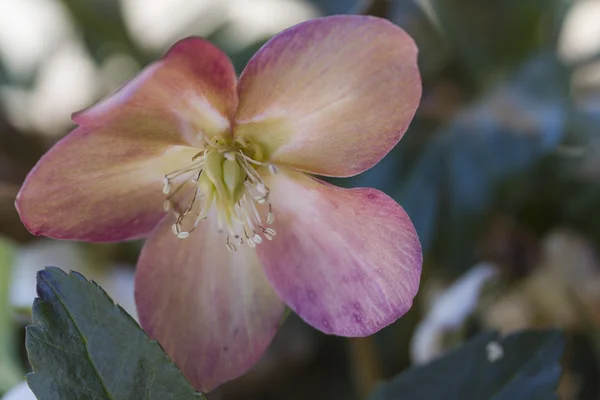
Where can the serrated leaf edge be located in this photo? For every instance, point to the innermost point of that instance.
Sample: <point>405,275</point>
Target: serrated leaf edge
<point>50,270</point>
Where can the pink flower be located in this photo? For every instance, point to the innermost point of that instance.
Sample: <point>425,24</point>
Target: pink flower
<point>213,170</point>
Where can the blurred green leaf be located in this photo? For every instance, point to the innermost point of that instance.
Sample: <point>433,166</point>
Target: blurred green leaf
<point>103,28</point>
<point>83,346</point>
<point>221,37</point>
<point>329,7</point>
<point>490,38</point>
<point>433,50</point>
<point>452,185</point>
<point>10,370</point>
<point>522,366</point>
<point>565,189</point>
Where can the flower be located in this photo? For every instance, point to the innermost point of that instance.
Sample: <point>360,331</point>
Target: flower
<point>246,230</point>
<point>20,392</point>
<point>116,280</point>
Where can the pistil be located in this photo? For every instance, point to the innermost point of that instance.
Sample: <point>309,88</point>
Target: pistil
<point>224,176</point>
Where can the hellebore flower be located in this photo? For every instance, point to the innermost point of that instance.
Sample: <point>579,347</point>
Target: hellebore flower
<point>213,170</point>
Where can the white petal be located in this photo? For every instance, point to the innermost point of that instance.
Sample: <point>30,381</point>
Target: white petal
<point>449,311</point>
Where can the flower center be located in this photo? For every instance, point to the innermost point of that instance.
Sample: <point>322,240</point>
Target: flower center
<point>225,175</point>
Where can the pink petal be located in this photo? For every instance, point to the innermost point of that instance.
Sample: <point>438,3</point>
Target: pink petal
<point>192,87</point>
<point>213,311</point>
<point>347,261</point>
<point>103,182</point>
<point>332,95</point>
<point>99,185</point>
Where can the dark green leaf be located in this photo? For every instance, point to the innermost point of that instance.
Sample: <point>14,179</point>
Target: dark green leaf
<point>453,183</point>
<point>433,49</point>
<point>526,368</point>
<point>340,6</point>
<point>83,346</point>
<point>103,28</point>
<point>491,37</point>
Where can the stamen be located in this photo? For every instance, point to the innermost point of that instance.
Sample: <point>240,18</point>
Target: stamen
<point>262,188</point>
<point>225,177</point>
<point>250,160</point>
<point>270,216</point>
<point>254,210</point>
<point>231,247</point>
<point>269,237</point>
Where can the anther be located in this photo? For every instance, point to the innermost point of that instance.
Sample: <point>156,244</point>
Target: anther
<point>268,232</point>
<point>261,188</point>
<point>167,185</point>
<point>228,179</point>
<point>231,247</point>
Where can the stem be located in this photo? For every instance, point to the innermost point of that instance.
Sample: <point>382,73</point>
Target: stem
<point>366,366</point>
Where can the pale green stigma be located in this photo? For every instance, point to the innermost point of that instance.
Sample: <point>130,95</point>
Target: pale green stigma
<point>223,177</point>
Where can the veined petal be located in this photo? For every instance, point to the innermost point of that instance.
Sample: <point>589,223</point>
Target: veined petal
<point>99,185</point>
<point>213,311</point>
<point>330,96</point>
<point>347,261</point>
<point>192,88</point>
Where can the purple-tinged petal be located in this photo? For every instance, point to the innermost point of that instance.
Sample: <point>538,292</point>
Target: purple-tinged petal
<point>103,182</point>
<point>213,311</point>
<point>347,261</point>
<point>99,186</point>
<point>192,87</point>
<point>330,96</point>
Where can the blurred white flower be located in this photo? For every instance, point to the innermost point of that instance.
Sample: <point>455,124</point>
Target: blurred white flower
<point>116,280</point>
<point>449,312</point>
<point>580,35</point>
<point>19,392</point>
<point>562,290</point>
<point>30,31</point>
<point>157,23</point>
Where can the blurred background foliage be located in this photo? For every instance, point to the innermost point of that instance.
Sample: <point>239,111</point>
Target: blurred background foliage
<point>500,171</point>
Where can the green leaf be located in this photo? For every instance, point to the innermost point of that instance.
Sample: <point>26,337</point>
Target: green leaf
<point>525,367</point>
<point>103,28</point>
<point>491,37</point>
<point>10,370</point>
<point>330,7</point>
<point>433,50</point>
<point>83,346</point>
<point>452,185</point>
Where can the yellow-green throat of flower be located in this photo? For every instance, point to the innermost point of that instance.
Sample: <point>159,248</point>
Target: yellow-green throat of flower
<point>223,174</point>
